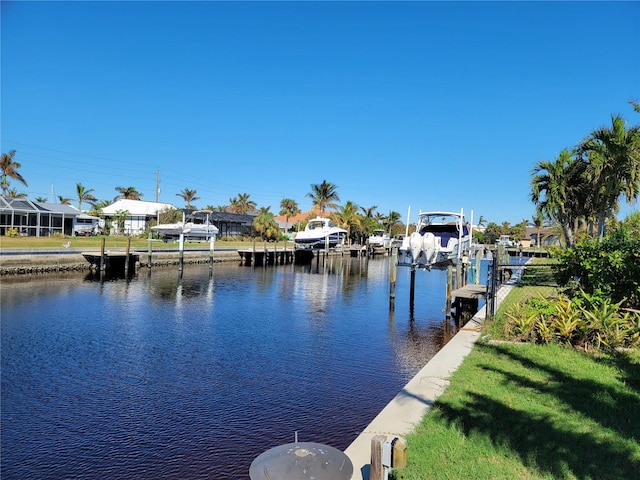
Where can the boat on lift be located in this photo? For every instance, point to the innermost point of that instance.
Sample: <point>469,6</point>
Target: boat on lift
<point>440,238</point>
<point>320,232</point>
<point>379,238</point>
<point>194,226</point>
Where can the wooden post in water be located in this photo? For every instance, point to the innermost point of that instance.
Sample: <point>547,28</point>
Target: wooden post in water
<point>392,277</point>
<point>126,258</point>
<point>149,252</point>
<point>412,289</point>
<point>212,242</point>
<point>253,253</point>
<point>181,252</point>
<point>449,291</point>
<point>103,260</point>
<point>476,267</point>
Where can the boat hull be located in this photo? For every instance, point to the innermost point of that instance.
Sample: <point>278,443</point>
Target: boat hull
<point>331,240</point>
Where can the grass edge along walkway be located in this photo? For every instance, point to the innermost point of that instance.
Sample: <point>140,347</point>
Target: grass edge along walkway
<point>523,411</point>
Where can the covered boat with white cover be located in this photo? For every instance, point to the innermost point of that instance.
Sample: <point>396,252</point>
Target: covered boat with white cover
<point>379,238</point>
<point>440,237</point>
<point>196,225</point>
<point>320,232</point>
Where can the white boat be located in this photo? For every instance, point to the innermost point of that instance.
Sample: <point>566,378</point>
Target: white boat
<point>440,237</point>
<point>320,232</point>
<point>379,239</point>
<point>196,225</point>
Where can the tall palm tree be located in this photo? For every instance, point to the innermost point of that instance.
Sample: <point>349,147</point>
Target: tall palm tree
<point>188,196</point>
<point>241,204</point>
<point>9,169</point>
<point>552,190</point>
<point>370,211</point>
<point>127,193</point>
<point>84,195</point>
<point>613,158</point>
<point>288,208</point>
<point>538,221</point>
<point>324,196</point>
<point>392,222</point>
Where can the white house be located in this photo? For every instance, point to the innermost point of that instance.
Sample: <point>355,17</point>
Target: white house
<point>139,214</point>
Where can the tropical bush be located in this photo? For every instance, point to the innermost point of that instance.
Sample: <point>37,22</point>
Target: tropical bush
<point>606,268</point>
<point>11,232</point>
<point>586,321</point>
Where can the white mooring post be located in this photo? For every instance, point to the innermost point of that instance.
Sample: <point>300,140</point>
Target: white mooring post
<point>181,252</point>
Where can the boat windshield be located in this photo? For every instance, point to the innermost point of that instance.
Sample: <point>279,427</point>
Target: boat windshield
<point>316,224</point>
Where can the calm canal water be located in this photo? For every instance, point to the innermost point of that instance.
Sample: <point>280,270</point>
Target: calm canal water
<point>193,377</point>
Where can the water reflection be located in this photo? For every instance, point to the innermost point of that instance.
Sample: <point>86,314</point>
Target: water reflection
<point>194,375</point>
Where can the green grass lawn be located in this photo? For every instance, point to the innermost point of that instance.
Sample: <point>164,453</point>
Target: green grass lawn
<point>532,412</point>
<point>524,411</point>
<point>113,241</point>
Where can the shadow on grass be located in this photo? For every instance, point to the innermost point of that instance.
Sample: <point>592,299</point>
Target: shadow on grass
<point>544,442</point>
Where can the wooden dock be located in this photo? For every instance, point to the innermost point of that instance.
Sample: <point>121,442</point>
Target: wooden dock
<point>470,292</point>
<point>466,301</point>
<point>277,256</point>
<point>114,263</point>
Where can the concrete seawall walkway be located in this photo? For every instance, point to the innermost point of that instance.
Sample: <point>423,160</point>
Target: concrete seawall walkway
<point>407,409</point>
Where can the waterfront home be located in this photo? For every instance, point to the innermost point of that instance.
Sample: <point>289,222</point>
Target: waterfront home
<point>139,214</point>
<point>35,219</point>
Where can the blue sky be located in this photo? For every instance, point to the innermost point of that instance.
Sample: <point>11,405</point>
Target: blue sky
<point>424,104</point>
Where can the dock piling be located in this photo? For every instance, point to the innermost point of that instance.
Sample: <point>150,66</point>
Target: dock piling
<point>392,278</point>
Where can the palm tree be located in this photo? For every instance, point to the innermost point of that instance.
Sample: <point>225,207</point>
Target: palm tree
<point>84,195</point>
<point>241,204</point>
<point>96,208</point>
<point>347,217</point>
<point>41,199</point>
<point>288,208</point>
<point>553,188</point>
<point>188,196</point>
<point>613,159</point>
<point>538,221</point>
<point>127,193</point>
<point>369,212</point>
<point>324,196</point>
<point>121,216</point>
<point>64,200</point>
<point>392,222</point>
<point>265,224</point>
<point>10,169</point>
<point>13,193</point>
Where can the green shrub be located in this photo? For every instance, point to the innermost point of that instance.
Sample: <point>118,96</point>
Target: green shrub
<point>11,232</point>
<point>608,268</point>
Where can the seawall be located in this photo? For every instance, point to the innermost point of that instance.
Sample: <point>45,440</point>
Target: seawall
<point>31,261</point>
